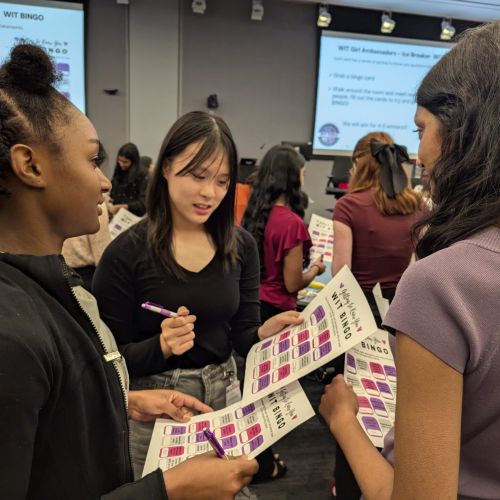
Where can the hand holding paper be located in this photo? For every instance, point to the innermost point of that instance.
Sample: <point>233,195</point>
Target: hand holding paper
<point>276,323</point>
<point>241,429</point>
<point>148,405</point>
<point>339,403</point>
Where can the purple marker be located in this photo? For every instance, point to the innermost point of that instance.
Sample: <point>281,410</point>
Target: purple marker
<point>216,446</point>
<point>158,309</point>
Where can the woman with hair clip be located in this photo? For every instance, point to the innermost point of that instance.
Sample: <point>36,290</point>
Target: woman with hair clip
<point>373,223</point>
<point>129,182</point>
<point>188,256</point>
<point>64,394</point>
<point>445,312</point>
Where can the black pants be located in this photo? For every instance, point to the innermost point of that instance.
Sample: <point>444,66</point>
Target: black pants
<point>346,485</point>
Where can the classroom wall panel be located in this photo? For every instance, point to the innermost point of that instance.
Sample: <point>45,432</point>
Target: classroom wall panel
<point>107,68</point>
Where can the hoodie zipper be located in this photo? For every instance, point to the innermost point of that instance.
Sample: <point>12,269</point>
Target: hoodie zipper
<point>103,345</point>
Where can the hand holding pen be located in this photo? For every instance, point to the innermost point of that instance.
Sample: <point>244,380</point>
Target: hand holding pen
<point>177,330</point>
<point>214,443</point>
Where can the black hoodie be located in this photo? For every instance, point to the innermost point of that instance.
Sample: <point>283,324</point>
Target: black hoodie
<point>63,419</point>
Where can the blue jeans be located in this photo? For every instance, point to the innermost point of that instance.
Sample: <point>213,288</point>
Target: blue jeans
<point>208,384</point>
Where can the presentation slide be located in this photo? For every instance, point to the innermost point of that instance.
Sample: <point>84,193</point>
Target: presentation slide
<point>368,83</point>
<point>58,27</point>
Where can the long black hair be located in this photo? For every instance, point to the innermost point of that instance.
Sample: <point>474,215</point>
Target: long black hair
<point>214,136</point>
<point>131,152</point>
<point>30,106</point>
<point>463,91</point>
<point>277,175</point>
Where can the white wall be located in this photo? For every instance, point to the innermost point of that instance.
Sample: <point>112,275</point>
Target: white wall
<point>263,72</point>
<point>164,60</point>
<point>154,71</point>
<point>107,47</point>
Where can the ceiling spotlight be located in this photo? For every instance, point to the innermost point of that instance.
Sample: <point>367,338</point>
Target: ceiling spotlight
<point>199,6</point>
<point>324,16</point>
<point>257,10</point>
<point>388,23</point>
<point>447,30</point>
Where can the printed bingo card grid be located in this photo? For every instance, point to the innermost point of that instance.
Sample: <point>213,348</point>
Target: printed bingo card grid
<point>321,231</point>
<point>336,320</point>
<point>122,220</point>
<point>242,428</point>
<point>370,368</point>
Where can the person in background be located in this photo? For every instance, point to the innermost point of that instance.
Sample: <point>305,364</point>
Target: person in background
<point>242,195</point>
<point>129,182</point>
<point>424,189</point>
<point>147,164</point>
<point>445,312</point>
<point>83,253</point>
<point>274,217</point>
<point>373,223</point>
<point>187,255</point>
<point>63,385</point>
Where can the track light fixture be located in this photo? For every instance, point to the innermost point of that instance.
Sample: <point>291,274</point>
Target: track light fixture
<point>447,30</point>
<point>388,24</point>
<point>199,6</point>
<point>324,16</point>
<point>257,10</point>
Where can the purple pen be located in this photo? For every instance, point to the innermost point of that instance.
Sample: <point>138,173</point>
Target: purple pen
<point>158,309</point>
<point>216,446</point>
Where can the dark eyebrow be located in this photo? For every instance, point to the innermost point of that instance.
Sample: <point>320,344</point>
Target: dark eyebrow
<point>95,141</point>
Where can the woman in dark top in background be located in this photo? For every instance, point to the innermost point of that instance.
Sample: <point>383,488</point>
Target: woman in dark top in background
<point>188,256</point>
<point>129,181</point>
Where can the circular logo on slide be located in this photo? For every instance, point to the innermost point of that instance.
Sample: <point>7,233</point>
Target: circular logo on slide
<point>328,134</point>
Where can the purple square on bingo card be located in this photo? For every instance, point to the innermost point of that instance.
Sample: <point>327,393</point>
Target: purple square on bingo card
<point>229,442</point>
<point>385,390</point>
<point>174,430</point>
<point>317,315</point>
<point>351,363</point>
<point>265,345</point>
<point>390,372</point>
<point>200,437</point>
<point>261,383</point>
<point>246,410</point>
<point>371,426</point>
